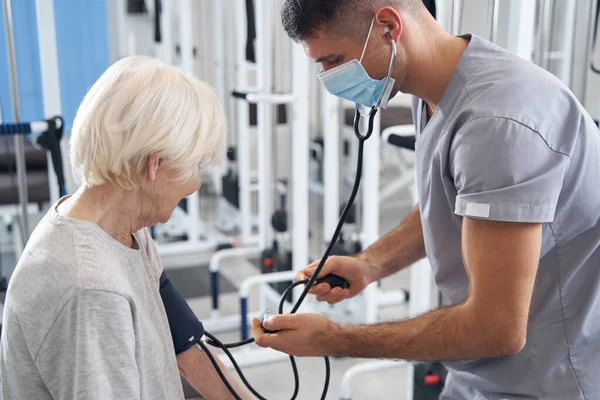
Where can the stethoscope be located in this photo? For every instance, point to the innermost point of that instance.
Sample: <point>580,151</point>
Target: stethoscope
<point>332,280</point>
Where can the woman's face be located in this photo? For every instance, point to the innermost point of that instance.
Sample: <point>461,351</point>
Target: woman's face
<point>173,192</point>
<point>165,191</point>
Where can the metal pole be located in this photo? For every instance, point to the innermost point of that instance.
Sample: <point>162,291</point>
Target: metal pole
<point>50,75</point>
<point>166,22</point>
<point>220,59</point>
<point>187,64</point>
<point>457,16</point>
<point>19,140</point>
<point>300,158</point>
<point>521,38</point>
<point>589,41</point>
<point>494,13</point>
<point>451,17</point>
<point>331,164</point>
<point>568,43</point>
<point>543,33</point>
<point>370,208</point>
<point>242,123</point>
<point>264,60</point>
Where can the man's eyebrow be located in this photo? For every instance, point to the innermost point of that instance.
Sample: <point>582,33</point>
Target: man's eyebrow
<point>321,59</point>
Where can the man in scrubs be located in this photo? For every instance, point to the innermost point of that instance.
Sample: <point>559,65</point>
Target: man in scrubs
<point>508,166</point>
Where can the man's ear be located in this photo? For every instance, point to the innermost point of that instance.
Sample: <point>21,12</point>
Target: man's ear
<point>153,164</point>
<point>391,21</point>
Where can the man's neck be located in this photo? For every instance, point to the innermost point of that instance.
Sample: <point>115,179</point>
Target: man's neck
<point>431,72</point>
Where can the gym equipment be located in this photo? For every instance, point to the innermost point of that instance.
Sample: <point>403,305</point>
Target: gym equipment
<point>43,134</point>
<point>368,366</point>
<point>47,135</point>
<point>334,280</point>
<point>429,379</point>
<point>371,220</point>
<point>219,224</point>
<point>273,248</point>
<point>19,144</point>
<point>421,278</point>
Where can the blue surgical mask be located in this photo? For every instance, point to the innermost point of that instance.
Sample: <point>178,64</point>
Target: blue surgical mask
<point>351,81</point>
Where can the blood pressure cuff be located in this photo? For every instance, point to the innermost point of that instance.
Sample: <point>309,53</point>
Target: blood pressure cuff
<point>186,329</point>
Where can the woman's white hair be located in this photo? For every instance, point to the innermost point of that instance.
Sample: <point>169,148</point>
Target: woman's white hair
<point>141,106</point>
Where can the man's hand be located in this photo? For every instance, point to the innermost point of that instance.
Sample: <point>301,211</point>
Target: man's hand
<point>302,335</point>
<point>501,261</point>
<point>355,270</point>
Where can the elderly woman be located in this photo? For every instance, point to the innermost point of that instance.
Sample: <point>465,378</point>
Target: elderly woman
<point>83,316</point>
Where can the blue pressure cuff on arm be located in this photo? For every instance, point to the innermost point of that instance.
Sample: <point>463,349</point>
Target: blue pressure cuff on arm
<point>186,329</point>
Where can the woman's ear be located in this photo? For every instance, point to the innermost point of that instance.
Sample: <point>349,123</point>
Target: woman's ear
<point>154,162</point>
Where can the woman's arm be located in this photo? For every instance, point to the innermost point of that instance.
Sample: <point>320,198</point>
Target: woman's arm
<point>186,331</point>
<point>89,353</point>
<point>196,368</point>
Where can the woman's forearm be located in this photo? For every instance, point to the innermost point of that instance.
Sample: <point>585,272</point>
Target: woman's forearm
<point>198,371</point>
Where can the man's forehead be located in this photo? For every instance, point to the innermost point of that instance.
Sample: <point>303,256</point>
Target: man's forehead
<point>320,47</point>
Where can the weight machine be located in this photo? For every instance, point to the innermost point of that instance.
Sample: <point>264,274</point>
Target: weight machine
<point>363,308</point>
<point>45,135</point>
<point>196,49</point>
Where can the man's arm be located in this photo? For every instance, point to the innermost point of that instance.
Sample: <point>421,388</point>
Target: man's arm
<point>501,261</point>
<point>398,249</point>
<point>198,371</point>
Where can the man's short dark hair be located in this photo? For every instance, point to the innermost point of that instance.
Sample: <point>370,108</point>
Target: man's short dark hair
<point>345,17</point>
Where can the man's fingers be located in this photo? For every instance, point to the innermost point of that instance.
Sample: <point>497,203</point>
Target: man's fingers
<point>342,295</point>
<point>336,295</point>
<point>282,322</point>
<point>300,276</point>
<point>305,273</point>
<point>260,337</point>
<point>330,295</point>
<point>320,289</point>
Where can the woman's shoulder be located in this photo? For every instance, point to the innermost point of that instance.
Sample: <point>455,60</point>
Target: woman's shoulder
<point>64,258</point>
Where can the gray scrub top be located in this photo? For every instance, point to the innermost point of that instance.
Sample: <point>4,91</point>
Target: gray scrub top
<point>510,142</point>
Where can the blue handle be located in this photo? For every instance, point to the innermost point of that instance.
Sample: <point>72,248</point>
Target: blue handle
<point>244,315</point>
<point>14,129</point>
<point>214,288</point>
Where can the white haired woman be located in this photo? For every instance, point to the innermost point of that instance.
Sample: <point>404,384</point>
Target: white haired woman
<point>83,314</point>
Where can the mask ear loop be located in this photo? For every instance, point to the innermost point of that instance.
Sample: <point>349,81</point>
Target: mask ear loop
<point>367,42</point>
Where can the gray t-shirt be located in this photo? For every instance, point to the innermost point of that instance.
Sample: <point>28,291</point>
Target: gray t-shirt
<point>84,319</point>
<point>510,142</point>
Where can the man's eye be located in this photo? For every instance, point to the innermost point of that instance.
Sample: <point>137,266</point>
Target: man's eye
<point>336,61</point>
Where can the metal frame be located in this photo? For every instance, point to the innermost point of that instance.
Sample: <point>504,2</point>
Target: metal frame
<point>494,11</point>
<point>265,99</point>
<point>407,174</point>
<point>19,140</point>
<point>521,38</point>
<point>203,238</point>
<point>50,76</point>
<point>352,373</point>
